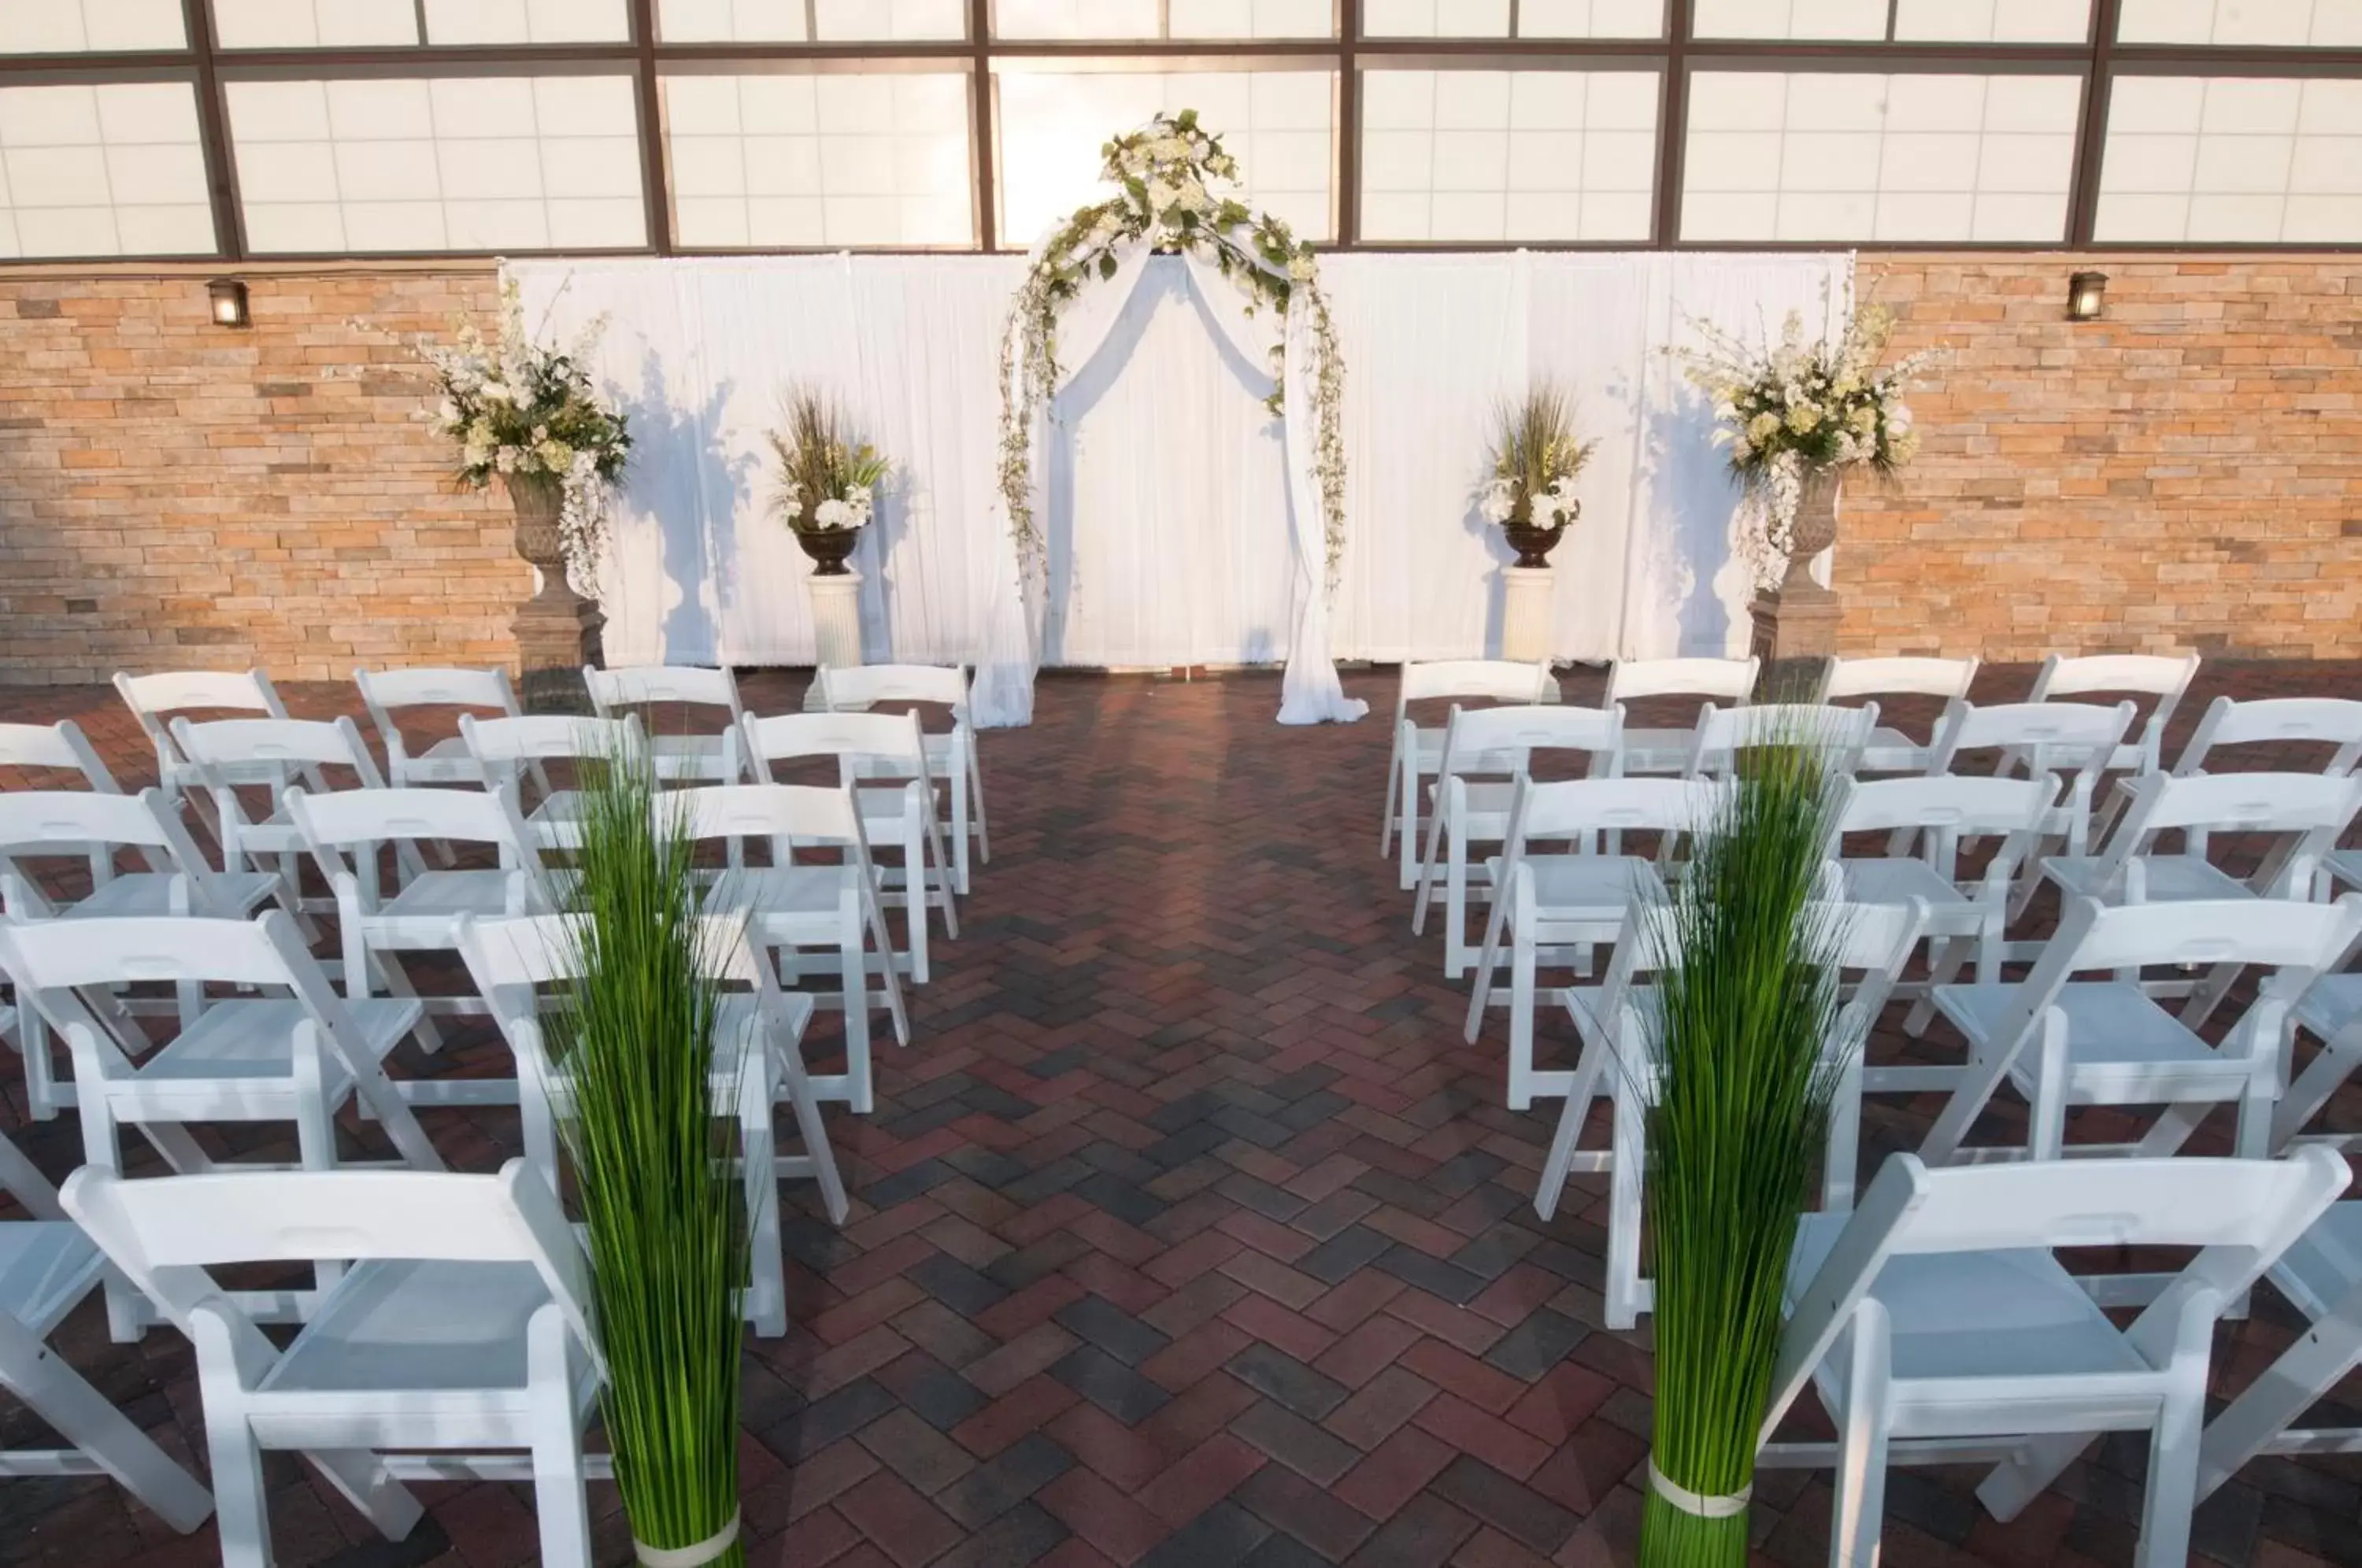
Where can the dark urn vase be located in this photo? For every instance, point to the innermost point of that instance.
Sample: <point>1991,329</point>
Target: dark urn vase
<point>1532,542</point>
<point>829,548</point>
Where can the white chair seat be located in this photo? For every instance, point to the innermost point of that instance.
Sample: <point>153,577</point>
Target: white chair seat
<point>763,892</point>
<point>694,756</point>
<point>151,893</point>
<point>2344,865</point>
<point>1960,1316</point>
<point>415,1325</point>
<point>444,896</point>
<point>738,1014</point>
<point>1657,751</point>
<point>1579,886</point>
<point>46,1266</point>
<point>445,762</point>
<point>255,1038</point>
<point>1891,751</point>
<point>1898,879</point>
<point>2117,1034</point>
<point>2325,1265</point>
<point>557,822</point>
<point>2330,1005</point>
<point>2165,878</point>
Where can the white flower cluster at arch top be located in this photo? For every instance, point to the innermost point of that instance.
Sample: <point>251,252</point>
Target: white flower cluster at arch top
<point>1173,177</point>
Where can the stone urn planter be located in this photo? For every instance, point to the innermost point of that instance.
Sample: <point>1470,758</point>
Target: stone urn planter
<point>829,548</point>
<point>1532,543</point>
<point>1798,621</point>
<point>557,630</point>
<point>835,591</point>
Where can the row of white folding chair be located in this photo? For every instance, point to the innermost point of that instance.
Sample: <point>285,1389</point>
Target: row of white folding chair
<point>462,1329</point>
<point>48,1268</point>
<point>1418,753</point>
<point>1619,1021</point>
<point>1938,1326</point>
<point>951,755</point>
<point>757,1063</point>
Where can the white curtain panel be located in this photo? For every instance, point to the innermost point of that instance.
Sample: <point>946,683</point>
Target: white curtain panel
<point>1166,497</point>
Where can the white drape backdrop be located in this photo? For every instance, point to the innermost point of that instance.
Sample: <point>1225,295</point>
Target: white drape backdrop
<point>1168,510</point>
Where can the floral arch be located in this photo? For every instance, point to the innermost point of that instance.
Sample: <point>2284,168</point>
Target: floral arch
<point>1169,176</point>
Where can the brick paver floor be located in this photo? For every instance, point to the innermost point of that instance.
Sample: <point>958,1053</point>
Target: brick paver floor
<point>1187,1233</point>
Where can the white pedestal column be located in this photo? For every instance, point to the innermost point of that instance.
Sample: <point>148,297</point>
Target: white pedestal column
<point>1526,613</point>
<point>837,627</point>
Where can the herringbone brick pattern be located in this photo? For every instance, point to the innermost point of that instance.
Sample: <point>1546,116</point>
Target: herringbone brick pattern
<point>1188,1231</point>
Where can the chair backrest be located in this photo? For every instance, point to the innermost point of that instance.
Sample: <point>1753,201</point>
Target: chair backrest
<point>153,699</point>
<point>1945,678</point>
<point>1724,679</point>
<point>1839,732</point>
<point>1498,679</point>
<point>1574,806</point>
<point>2277,721</point>
<point>503,745</point>
<point>890,737</point>
<point>640,685</point>
<point>2076,737</point>
<point>2241,1214</point>
<point>60,746</point>
<point>437,688</point>
<point>1501,740</point>
<point>2241,802</point>
<point>167,1232</point>
<point>1876,939</point>
<point>63,956</point>
<point>2164,677</point>
<point>294,743</point>
<point>359,820</point>
<point>1963,807</point>
<point>806,811</point>
<point>859,685</point>
<point>2297,939</point>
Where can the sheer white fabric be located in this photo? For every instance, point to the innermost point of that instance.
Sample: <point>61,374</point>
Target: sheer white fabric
<point>1166,488</point>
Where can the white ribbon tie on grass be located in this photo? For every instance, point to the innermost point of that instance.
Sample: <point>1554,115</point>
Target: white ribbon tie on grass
<point>1692,1503</point>
<point>697,1556</point>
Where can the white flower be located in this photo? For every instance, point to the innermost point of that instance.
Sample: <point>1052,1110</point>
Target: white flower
<point>1499,503</point>
<point>1168,149</point>
<point>1192,198</point>
<point>1161,196</point>
<point>833,514</point>
<point>505,459</point>
<point>1301,269</point>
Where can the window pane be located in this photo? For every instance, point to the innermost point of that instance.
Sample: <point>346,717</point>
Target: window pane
<point>1254,20</point>
<point>792,160</point>
<point>315,24</point>
<point>466,163</point>
<point>2236,161</point>
<point>1509,155</point>
<point>1279,124</point>
<point>526,21</point>
<point>1535,18</point>
<point>2292,23</point>
<point>1184,18</point>
<point>1075,18</point>
<point>730,21</point>
<point>1860,156</point>
<point>898,21</point>
<point>71,27</point>
<point>103,171</point>
<point>1993,21</point>
<point>1791,19</point>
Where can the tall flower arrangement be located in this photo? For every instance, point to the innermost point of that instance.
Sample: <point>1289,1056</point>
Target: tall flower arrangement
<point>528,412</point>
<point>1173,180</point>
<point>1794,408</point>
<point>1535,461</point>
<point>827,481</point>
<point>1737,1050</point>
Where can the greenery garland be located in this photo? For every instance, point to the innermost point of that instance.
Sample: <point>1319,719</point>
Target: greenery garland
<point>1167,172</point>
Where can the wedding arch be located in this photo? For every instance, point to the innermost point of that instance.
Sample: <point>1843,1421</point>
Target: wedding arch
<point>1168,176</point>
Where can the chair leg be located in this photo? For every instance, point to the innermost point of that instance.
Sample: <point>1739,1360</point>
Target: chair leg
<point>2172,1494</point>
<point>767,1296</point>
<point>389,968</point>
<point>84,1417</point>
<point>1487,962</point>
<point>239,1513</point>
<point>1859,1513</point>
<point>916,901</point>
<point>1563,1143</point>
<point>1409,827</point>
<point>1387,827</point>
<point>1628,1153</point>
<point>976,802</point>
<point>2305,1374</point>
<point>1455,904</point>
<point>853,966</point>
<point>813,1131</point>
<point>561,1501</point>
<point>1521,1025</point>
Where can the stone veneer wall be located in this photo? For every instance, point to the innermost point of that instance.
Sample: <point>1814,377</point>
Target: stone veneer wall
<point>2186,473</point>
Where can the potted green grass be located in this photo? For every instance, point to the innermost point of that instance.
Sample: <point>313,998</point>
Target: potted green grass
<point>1735,1142</point>
<point>654,1169</point>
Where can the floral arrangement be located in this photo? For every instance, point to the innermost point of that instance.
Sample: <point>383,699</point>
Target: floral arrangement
<point>827,482</point>
<point>1796,408</point>
<point>1172,177</point>
<point>526,411</point>
<point>1535,461</point>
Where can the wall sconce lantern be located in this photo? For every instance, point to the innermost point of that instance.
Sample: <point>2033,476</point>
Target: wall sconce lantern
<point>2087,296</point>
<point>229,297</point>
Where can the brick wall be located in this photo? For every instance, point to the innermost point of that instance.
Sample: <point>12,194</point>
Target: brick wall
<point>177,495</point>
<point>2186,472</point>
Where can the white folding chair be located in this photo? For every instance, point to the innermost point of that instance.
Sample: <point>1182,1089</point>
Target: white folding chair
<point>298,1057</point>
<point>38,824</point>
<point>758,1062</point>
<point>277,755</point>
<point>790,905</point>
<point>1619,1021</point>
<point>1418,753</point>
<point>1552,908</point>
<point>950,754</point>
<point>684,759</point>
<point>2064,1041</point>
<point>1837,734</point>
<point>1939,1327</point>
<point>2162,679</point>
<point>1727,680</point>
<point>507,751</point>
<point>48,1268</point>
<point>155,699</point>
<point>1927,823</point>
<point>1470,801</point>
<point>2303,812</point>
<point>1890,750</point>
<point>2321,1274</point>
<point>2033,740</point>
<point>346,832</point>
<point>445,760</point>
<point>462,1325</point>
<point>900,814</point>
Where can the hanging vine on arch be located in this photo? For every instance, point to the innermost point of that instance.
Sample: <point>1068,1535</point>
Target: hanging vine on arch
<point>1166,173</point>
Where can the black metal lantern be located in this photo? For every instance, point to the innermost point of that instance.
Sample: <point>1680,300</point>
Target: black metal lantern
<point>2087,296</point>
<point>228,298</point>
